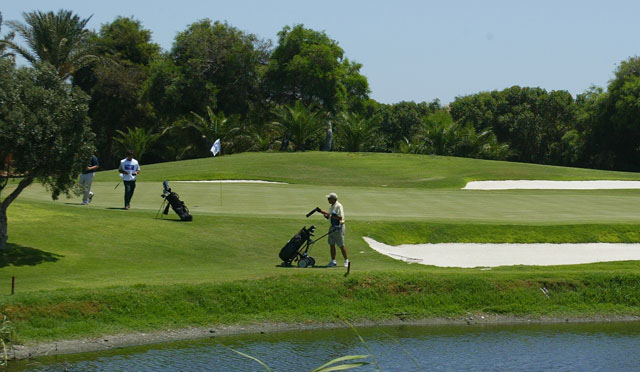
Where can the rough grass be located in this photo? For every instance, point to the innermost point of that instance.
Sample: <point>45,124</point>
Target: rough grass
<point>318,298</point>
<point>396,233</point>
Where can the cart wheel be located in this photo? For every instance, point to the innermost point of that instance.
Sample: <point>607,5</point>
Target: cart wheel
<point>312,261</point>
<point>302,262</point>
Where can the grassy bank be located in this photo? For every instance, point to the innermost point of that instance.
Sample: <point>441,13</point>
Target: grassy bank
<point>319,298</point>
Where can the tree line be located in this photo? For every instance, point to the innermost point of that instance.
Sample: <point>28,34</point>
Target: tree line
<point>113,89</point>
<point>302,93</point>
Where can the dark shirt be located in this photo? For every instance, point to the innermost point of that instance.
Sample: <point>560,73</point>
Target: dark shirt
<point>94,162</point>
<point>335,222</point>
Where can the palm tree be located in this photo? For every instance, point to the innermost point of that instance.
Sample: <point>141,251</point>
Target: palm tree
<point>355,131</point>
<point>138,139</point>
<point>211,127</point>
<point>60,39</point>
<point>3,43</point>
<point>440,135</point>
<point>298,124</point>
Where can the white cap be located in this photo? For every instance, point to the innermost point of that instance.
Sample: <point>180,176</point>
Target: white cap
<point>332,195</point>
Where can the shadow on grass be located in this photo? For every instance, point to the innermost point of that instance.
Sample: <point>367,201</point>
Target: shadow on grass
<point>308,267</point>
<point>169,219</point>
<point>18,255</point>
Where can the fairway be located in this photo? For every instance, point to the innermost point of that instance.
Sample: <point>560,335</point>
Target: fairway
<point>375,203</point>
<point>68,250</point>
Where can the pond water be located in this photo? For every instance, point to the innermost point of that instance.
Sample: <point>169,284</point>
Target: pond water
<point>552,347</point>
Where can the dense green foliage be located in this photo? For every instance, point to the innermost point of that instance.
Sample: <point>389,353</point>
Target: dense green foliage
<point>596,129</point>
<point>530,120</point>
<point>309,66</point>
<point>44,132</point>
<point>114,86</point>
<point>612,120</point>
<point>216,70</point>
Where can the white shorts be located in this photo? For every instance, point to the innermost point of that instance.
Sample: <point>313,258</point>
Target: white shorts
<point>336,235</point>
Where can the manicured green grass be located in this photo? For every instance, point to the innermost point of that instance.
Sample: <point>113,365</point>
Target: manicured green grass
<point>376,204</point>
<point>98,269</point>
<point>55,247</point>
<point>85,247</point>
<point>361,169</point>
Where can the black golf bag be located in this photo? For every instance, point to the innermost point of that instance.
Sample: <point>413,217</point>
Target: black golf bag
<point>173,200</point>
<point>298,247</point>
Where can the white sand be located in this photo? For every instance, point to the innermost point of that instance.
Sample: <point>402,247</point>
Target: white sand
<point>491,255</point>
<point>233,181</point>
<point>551,185</point>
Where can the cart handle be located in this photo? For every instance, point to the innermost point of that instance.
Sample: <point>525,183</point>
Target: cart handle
<point>311,241</point>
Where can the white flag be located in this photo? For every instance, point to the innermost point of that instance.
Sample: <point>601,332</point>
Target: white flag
<point>215,149</point>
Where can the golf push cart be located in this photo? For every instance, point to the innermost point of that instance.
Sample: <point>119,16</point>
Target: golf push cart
<point>297,249</point>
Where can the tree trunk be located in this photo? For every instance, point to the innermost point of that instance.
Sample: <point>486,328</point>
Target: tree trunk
<point>26,181</point>
<point>3,228</point>
<point>329,140</point>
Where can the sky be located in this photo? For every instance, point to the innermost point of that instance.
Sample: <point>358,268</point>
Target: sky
<point>416,50</point>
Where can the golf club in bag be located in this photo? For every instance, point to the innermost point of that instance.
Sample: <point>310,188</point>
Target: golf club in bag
<point>172,199</point>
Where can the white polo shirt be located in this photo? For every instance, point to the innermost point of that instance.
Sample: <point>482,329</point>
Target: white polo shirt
<point>130,167</point>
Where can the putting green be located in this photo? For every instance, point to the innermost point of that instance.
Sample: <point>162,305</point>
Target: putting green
<point>377,203</point>
<point>362,169</point>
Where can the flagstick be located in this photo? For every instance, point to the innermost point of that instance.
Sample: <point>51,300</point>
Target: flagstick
<point>216,148</point>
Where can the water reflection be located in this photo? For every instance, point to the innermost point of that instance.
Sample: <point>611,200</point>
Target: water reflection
<point>558,347</point>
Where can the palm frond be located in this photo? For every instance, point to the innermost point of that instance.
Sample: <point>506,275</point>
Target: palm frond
<point>60,39</point>
<point>299,124</point>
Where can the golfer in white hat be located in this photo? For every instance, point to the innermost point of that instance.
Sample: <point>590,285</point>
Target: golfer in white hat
<point>336,231</point>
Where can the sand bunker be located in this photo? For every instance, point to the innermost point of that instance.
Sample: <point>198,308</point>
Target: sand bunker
<point>551,185</point>
<point>491,255</point>
<point>234,181</point>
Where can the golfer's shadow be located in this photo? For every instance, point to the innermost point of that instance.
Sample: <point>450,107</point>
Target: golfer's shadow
<point>308,267</point>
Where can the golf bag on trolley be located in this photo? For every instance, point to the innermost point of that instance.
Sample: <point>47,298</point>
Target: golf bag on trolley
<point>173,200</point>
<point>297,248</point>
